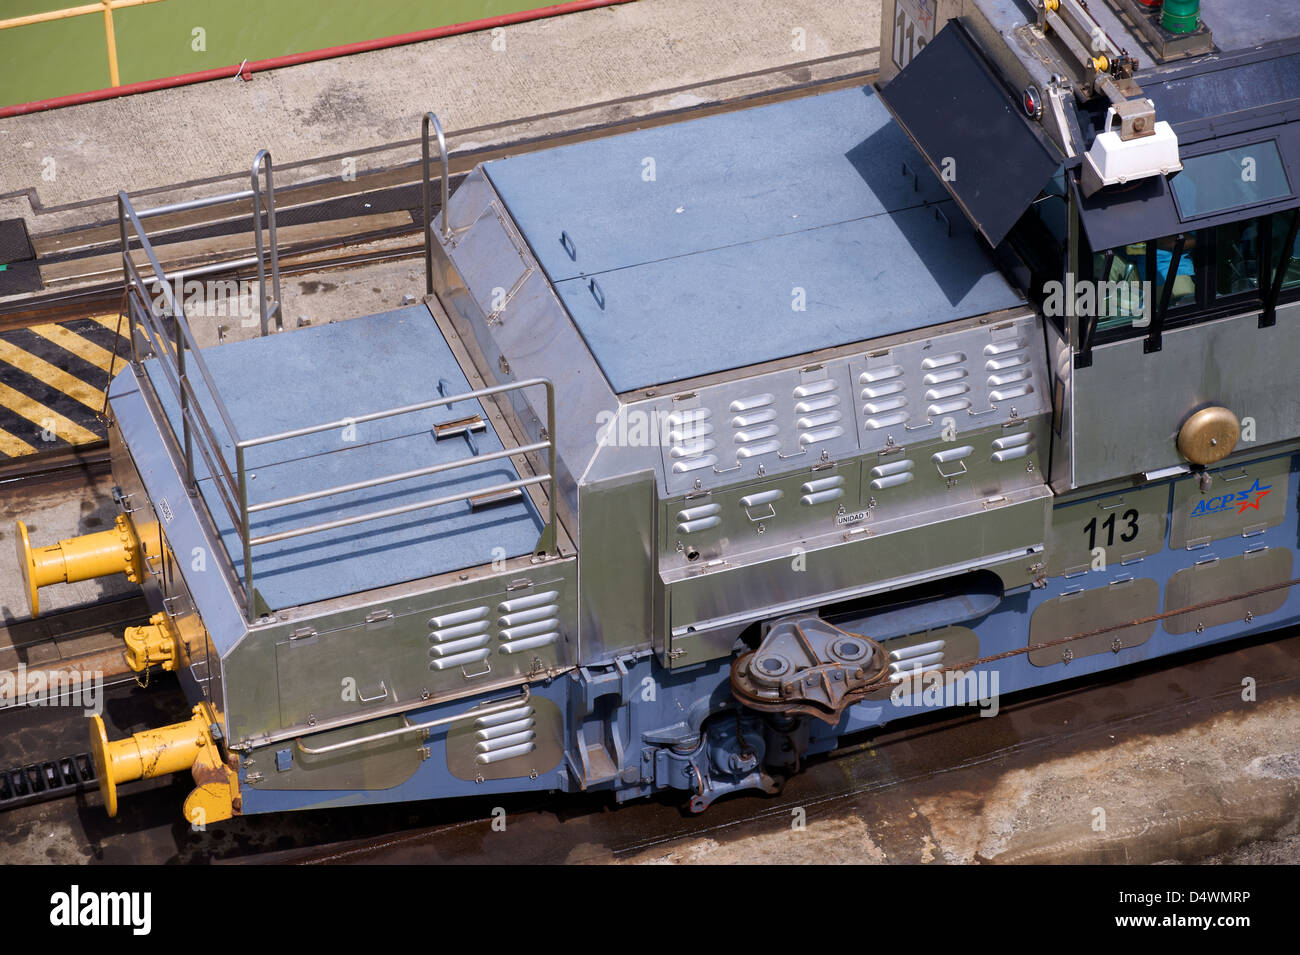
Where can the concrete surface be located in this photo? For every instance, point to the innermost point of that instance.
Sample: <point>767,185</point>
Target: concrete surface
<point>546,76</point>
<point>1206,792</point>
<point>54,510</point>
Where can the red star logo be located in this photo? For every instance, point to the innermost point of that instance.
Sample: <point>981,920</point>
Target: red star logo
<point>1251,497</point>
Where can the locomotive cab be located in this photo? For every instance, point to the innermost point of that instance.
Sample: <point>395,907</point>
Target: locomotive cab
<point>1159,242</point>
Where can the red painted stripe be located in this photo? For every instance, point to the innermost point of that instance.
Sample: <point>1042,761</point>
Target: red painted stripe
<point>293,59</point>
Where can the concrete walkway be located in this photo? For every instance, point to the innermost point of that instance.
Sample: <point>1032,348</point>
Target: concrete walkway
<point>59,169</point>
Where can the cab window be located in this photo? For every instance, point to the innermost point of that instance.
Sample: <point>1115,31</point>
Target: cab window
<point>1182,273</point>
<point>1121,286</point>
<point>1237,257</point>
<point>1282,223</point>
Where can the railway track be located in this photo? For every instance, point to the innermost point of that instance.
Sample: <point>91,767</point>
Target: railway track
<point>354,203</point>
<point>881,778</point>
<point>55,360</point>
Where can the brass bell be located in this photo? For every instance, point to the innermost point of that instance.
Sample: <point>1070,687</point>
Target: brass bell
<point>1209,435</point>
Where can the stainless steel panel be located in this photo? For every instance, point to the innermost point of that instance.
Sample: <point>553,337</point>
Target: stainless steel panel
<point>514,327</point>
<point>1128,526</point>
<point>690,646</point>
<point>379,765</point>
<point>1215,579</point>
<point>860,559</point>
<point>351,662</point>
<point>857,492</point>
<point>1118,602</point>
<point>616,567</point>
<point>526,743</point>
<point>1241,500</point>
<point>1128,406</point>
<point>397,647</point>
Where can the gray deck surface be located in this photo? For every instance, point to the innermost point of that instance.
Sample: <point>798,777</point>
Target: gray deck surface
<point>318,375</point>
<point>698,266</point>
<point>1242,24</point>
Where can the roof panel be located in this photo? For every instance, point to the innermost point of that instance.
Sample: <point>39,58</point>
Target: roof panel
<point>700,269</point>
<point>734,306</point>
<point>687,187</point>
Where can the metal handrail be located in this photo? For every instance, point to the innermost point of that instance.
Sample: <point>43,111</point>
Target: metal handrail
<point>393,478</point>
<point>263,157</point>
<point>431,119</point>
<point>547,543</point>
<point>177,354</point>
<point>147,325</point>
<point>489,709</point>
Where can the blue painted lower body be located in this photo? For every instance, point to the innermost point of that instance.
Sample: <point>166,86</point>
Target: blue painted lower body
<point>681,729</point>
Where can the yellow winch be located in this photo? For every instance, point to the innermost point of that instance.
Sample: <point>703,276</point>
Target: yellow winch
<point>121,550</point>
<point>169,749</point>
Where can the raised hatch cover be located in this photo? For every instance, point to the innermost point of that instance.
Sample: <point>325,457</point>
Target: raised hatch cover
<point>971,132</point>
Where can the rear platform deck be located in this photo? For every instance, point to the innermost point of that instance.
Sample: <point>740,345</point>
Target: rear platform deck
<point>332,373</point>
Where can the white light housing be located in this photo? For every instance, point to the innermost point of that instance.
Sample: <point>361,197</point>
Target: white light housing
<point>1112,161</point>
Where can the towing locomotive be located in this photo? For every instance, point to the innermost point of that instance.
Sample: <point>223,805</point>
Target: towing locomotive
<point>716,442</point>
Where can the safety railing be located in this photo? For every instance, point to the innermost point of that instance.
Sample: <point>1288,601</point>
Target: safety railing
<point>175,348</point>
<point>432,120</point>
<point>106,7</point>
<point>546,544</point>
<point>177,356</point>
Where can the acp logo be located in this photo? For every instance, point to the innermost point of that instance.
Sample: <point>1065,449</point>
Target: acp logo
<point>1242,501</point>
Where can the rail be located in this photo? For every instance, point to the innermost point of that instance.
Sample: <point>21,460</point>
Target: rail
<point>431,119</point>
<point>177,356</point>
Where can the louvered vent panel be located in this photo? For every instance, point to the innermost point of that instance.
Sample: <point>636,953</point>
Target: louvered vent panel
<point>527,623</point>
<point>892,474</point>
<point>1012,446</point>
<point>947,388</point>
<point>690,440</point>
<point>698,518</point>
<point>818,415</point>
<point>884,397</point>
<point>1009,370</point>
<point>460,638</point>
<point>505,735</point>
<point>821,490</point>
<point>915,660</point>
<point>754,426</point>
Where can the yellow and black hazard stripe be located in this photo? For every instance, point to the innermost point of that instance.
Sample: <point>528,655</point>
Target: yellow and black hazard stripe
<point>52,383</point>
